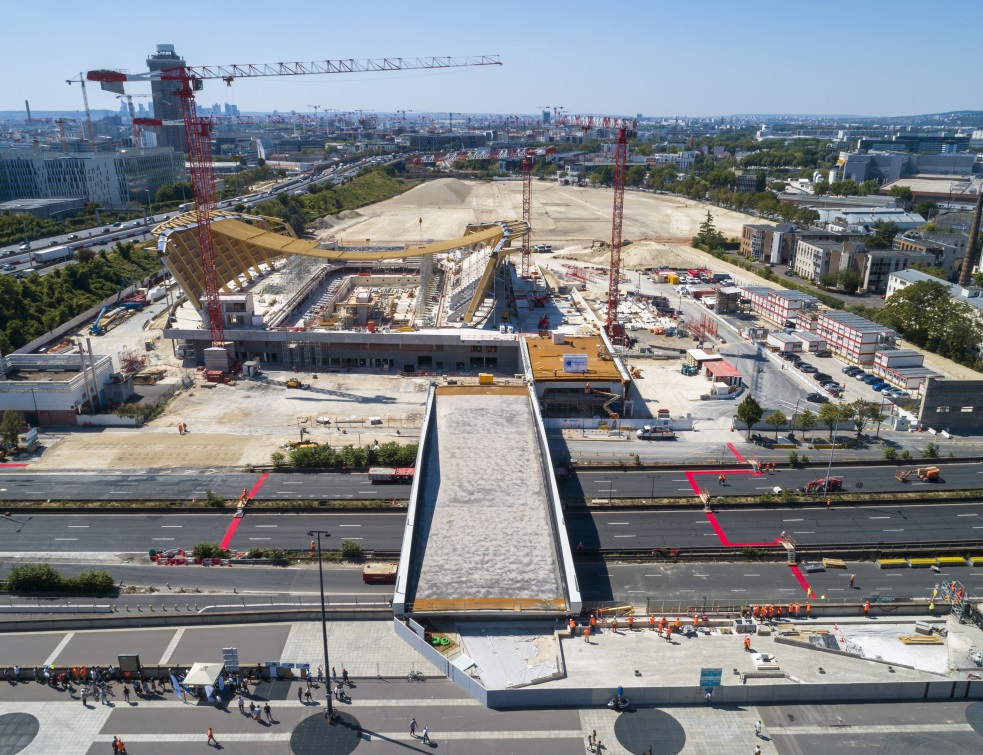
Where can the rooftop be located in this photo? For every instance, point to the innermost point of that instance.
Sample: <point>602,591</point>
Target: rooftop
<point>546,358</point>
<point>856,322</point>
<point>722,369</point>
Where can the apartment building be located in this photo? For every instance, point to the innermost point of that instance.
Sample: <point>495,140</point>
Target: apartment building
<point>778,306</point>
<point>852,337</point>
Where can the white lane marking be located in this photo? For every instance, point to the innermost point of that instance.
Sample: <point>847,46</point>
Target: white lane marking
<point>155,539</point>
<point>901,530</point>
<point>349,525</point>
<point>752,575</point>
<point>792,520</point>
<point>171,647</point>
<point>618,522</point>
<point>171,526</point>
<point>65,538</point>
<point>653,575</point>
<point>624,536</point>
<point>284,482</point>
<point>967,514</point>
<point>804,532</point>
<point>261,538</point>
<point>266,526</point>
<point>78,526</point>
<point>878,517</point>
<point>61,646</point>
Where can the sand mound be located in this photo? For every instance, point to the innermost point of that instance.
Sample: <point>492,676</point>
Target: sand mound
<point>636,256</point>
<point>444,192</point>
<point>349,215</point>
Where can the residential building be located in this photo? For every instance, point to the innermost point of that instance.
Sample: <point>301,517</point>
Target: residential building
<point>111,178</point>
<point>778,305</point>
<point>810,341</point>
<point>852,337</point>
<point>815,259</point>
<point>947,247</point>
<point>683,160</point>
<point>167,106</point>
<point>748,183</point>
<point>764,242</point>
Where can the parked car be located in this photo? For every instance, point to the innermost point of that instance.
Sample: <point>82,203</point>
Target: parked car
<point>806,368</point>
<point>8,267</point>
<point>824,353</point>
<point>832,386</point>
<point>822,377</point>
<point>851,371</point>
<point>862,375</point>
<point>871,379</point>
<point>817,398</point>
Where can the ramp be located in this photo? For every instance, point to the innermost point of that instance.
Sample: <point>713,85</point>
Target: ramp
<point>485,532</point>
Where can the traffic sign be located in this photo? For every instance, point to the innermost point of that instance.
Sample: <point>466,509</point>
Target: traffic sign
<point>710,677</point>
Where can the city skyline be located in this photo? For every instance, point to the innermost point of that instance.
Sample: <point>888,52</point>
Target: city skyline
<point>837,58</point>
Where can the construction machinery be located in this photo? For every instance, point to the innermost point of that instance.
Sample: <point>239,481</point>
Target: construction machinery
<point>928,474</point>
<point>527,163</point>
<point>612,398</point>
<point>824,485</point>
<point>190,79</point>
<point>80,79</point>
<point>626,131</point>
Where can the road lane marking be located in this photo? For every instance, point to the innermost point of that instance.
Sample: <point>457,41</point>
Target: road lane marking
<point>61,646</point>
<point>738,590</point>
<point>291,483</point>
<point>155,539</point>
<point>171,647</point>
<point>651,575</point>
<point>349,525</point>
<point>618,522</point>
<point>266,526</point>
<point>967,514</point>
<point>752,575</point>
<point>171,526</point>
<point>66,538</point>
<point>624,536</point>
<point>804,532</point>
<point>78,526</point>
<point>878,517</point>
<point>792,520</point>
<point>261,538</point>
<point>894,530</point>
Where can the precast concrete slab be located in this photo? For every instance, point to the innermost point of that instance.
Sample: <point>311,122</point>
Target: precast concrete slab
<point>484,535</point>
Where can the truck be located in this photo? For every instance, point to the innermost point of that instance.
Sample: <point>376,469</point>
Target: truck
<point>391,474</point>
<point>55,254</point>
<point>379,573</point>
<point>656,433</point>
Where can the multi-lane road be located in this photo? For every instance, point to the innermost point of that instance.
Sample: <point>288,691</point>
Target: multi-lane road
<point>587,484</point>
<point>593,529</point>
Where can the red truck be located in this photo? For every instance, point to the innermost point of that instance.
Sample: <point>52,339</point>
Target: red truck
<point>391,474</point>
<point>379,573</point>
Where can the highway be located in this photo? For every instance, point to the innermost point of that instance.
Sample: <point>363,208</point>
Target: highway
<point>686,584</point>
<point>609,530</point>
<point>599,485</point>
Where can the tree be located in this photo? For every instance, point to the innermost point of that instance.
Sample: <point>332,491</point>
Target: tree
<point>830,415</point>
<point>869,187</point>
<point>807,420</point>
<point>925,207</point>
<point>260,162</point>
<point>776,419</point>
<point>862,413</point>
<point>708,237</point>
<point>926,315</point>
<point>849,279</point>
<point>807,216</point>
<point>935,272</point>
<point>978,279</point>
<point>749,412</point>
<point>828,280</point>
<point>883,236</point>
<point>635,175</point>
<point>901,192</point>
<point>10,428</point>
<point>820,188</point>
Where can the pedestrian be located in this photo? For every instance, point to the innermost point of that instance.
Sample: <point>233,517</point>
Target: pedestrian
<point>307,694</point>
<point>344,676</point>
<point>85,696</point>
<point>269,712</point>
<point>931,608</point>
<point>320,674</point>
<point>676,624</point>
<point>808,610</point>
<point>126,695</point>
<point>747,643</point>
<point>587,635</point>
<point>757,728</point>
<point>211,737</point>
<point>757,750</point>
<point>829,501</point>
<point>853,578</point>
<point>708,697</point>
<point>593,623</point>
<point>413,728</point>
<point>614,625</point>
<point>652,622</point>
<point>120,747</point>
<point>669,633</point>
<point>334,674</point>
<point>426,735</point>
<point>300,695</point>
<point>721,479</point>
<point>866,609</point>
<point>102,695</point>
<point>115,742</point>
<point>631,623</point>
<point>242,705</point>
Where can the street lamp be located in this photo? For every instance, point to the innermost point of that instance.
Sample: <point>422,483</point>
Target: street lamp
<point>329,711</point>
<point>652,478</point>
<point>610,488</point>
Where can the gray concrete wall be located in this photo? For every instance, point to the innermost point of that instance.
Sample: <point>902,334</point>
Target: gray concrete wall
<point>944,402</point>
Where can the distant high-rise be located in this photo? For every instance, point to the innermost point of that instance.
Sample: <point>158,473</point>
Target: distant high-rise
<point>167,106</point>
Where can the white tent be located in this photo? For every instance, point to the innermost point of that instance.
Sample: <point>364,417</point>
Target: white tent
<point>204,673</point>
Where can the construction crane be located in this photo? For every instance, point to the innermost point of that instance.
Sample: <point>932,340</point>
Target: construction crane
<point>527,162</point>
<point>85,101</point>
<point>404,112</point>
<point>626,130</point>
<point>198,130</point>
<point>61,131</point>
<point>134,128</point>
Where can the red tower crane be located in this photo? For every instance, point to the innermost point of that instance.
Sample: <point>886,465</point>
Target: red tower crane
<point>626,129</point>
<point>527,161</point>
<point>189,79</point>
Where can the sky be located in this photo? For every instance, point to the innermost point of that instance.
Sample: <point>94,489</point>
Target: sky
<point>697,58</point>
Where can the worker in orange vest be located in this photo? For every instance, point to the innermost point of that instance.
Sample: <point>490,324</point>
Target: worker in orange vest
<point>593,622</point>
<point>790,610</point>
<point>866,609</point>
<point>747,643</point>
<point>631,623</point>
<point>754,611</point>
<point>778,610</point>
<point>771,611</point>
<point>808,610</point>
<point>573,627</point>
<point>797,607</point>
<point>676,623</point>
<point>662,624</point>
<point>668,632</point>
<point>651,622</point>
<point>696,621</point>
<point>586,634</point>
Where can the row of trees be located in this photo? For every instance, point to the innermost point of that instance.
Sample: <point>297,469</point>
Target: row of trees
<point>39,303</point>
<point>44,578</point>
<point>862,413</point>
<point>390,454</point>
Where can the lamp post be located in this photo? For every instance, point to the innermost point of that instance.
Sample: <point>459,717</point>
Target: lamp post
<point>610,488</point>
<point>329,711</point>
<point>652,478</point>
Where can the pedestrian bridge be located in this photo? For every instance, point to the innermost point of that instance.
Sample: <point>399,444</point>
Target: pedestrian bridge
<point>485,534</point>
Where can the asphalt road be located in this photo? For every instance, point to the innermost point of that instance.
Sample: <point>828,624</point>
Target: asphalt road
<point>665,584</point>
<point>642,483</point>
<point>618,530</point>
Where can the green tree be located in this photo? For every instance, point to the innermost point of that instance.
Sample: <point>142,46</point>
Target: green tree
<point>807,420</point>
<point>978,279</point>
<point>931,451</point>
<point>708,236</point>
<point>635,176</point>
<point>849,279</point>
<point>10,428</point>
<point>862,413</point>
<point>749,412</point>
<point>935,272</point>
<point>883,235</point>
<point>925,207</point>
<point>828,280</point>
<point>901,192</point>
<point>776,419</point>
<point>807,216</point>
<point>869,187</point>
<point>820,188</point>
<point>831,415</point>
<point>351,550</point>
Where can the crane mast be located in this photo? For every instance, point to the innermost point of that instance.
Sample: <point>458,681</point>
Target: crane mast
<point>198,131</point>
<point>527,161</point>
<point>88,116</point>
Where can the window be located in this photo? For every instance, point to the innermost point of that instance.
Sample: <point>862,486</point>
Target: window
<point>967,410</point>
<point>942,409</point>
<point>476,349</point>
<point>491,349</point>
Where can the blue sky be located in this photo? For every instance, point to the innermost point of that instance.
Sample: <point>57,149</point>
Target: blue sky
<point>704,57</point>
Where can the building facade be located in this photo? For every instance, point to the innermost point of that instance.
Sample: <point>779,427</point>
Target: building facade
<point>768,243</point>
<point>167,106</point>
<point>815,259</point>
<point>852,337</point>
<point>778,306</point>
<point>111,178</point>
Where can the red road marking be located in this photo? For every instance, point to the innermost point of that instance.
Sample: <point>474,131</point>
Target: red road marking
<point>737,454</point>
<point>234,524</point>
<point>797,573</point>
<point>718,529</point>
<point>12,466</point>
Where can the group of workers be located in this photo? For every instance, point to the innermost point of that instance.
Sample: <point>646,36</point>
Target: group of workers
<point>775,611</point>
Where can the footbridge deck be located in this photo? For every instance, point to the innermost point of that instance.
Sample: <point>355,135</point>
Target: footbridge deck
<point>485,531</point>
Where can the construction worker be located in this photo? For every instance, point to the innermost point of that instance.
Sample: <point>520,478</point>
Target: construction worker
<point>662,624</point>
<point>669,633</point>
<point>631,623</point>
<point>754,611</point>
<point>790,610</point>
<point>797,608</point>
<point>586,634</point>
<point>829,501</point>
<point>651,622</point>
<point>614,624</point>
<point>778,611</point>
<point>593,622</point>
<point>808,610</point>
<point>573,627</point>
<point>866,609</point>
<point>931,608</point>
<point>771,612</point>
<point>696,620</point>
<point>676,624</point>
<point>853,578</point>
<point>747,643</point>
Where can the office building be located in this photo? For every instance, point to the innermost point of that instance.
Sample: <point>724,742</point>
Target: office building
<point>111,178</point>
<point>167,106</point>
<point>764,242</point>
